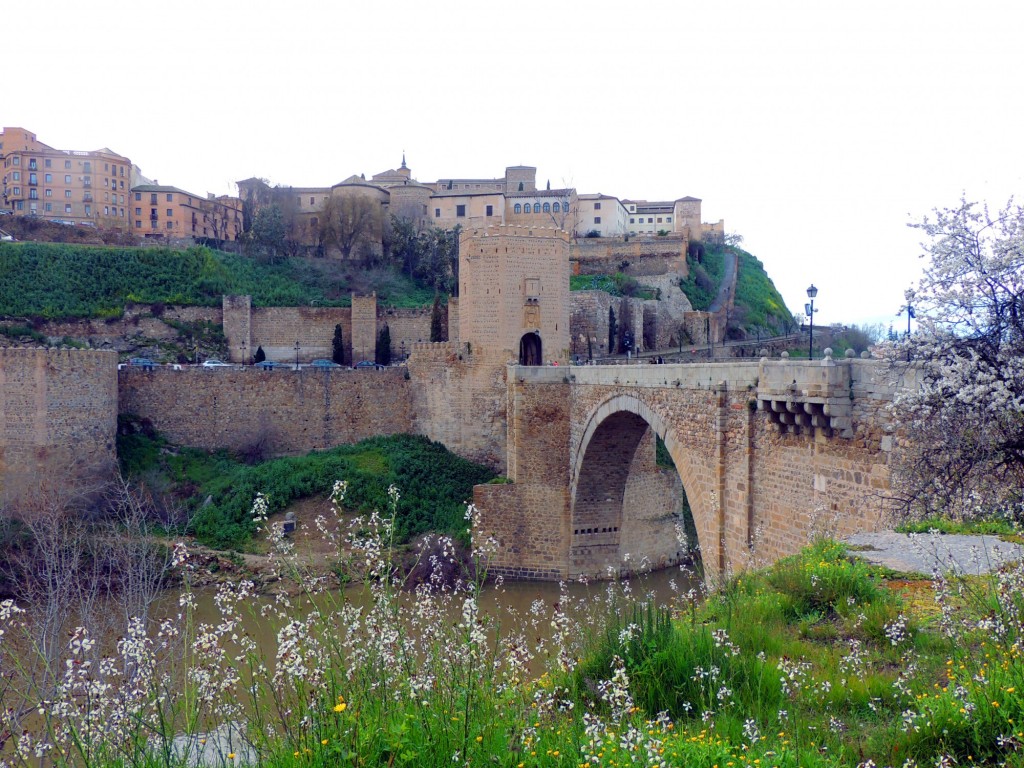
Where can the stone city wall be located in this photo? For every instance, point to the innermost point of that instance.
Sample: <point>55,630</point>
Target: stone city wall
<point>290,412</point>
<point>277,329</point>
<point>58,420</point>
<point>646,256</point>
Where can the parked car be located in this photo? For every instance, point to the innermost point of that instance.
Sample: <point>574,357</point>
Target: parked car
<point>215,363</point>
<point>322,363</point>
<point>269,365</point>
<point>142,362</point>
<point>366,364</point>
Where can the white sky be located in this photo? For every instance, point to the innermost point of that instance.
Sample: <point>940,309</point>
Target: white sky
<point>817,130</point>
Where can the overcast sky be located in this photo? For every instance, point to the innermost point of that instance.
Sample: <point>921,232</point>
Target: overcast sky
<point>817,130</point>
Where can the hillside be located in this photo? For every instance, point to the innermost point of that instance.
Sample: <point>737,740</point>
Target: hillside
<point>56,281</point>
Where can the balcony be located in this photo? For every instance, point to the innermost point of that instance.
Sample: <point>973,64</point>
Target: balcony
<point>87,198</point>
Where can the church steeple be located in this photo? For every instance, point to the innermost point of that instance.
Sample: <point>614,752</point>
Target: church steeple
<point>403,158</point>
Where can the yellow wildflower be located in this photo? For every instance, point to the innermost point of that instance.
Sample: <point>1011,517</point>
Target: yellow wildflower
<point>340,707</point>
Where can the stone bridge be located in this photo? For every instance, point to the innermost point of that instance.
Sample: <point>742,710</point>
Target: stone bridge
<point>768,453</point>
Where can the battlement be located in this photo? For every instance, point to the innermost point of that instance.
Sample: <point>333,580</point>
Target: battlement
<point>515,230</point>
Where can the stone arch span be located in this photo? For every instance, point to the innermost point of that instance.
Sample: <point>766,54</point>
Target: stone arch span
<point>613,487</point>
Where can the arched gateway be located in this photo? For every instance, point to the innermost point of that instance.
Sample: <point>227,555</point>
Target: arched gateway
<point>625,510</point>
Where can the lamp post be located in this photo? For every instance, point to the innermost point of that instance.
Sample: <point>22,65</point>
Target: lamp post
<point>296,355</point>
<point>909,309</point>
<point>242,346</point>
<point>403,349</point>
<point>811,293</point>
<point>810,310</point>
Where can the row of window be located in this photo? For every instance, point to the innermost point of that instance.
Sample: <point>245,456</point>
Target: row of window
<point>650,220</point>
<point>555,207</point>
<point>19,205</point>
<point>48,163</point>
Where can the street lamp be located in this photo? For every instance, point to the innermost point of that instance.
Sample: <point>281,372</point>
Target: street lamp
<point>909,309</point>
<point>242,346</point>
<point>296,355</point>
<point>809,308</point>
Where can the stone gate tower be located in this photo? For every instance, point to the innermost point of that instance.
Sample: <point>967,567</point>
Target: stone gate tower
<point>514,293</point>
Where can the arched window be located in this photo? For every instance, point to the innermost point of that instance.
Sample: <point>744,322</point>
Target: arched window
<point>536,207</point>
<point>556,207</point>
<point>518,208</point>
<point>547,207</point>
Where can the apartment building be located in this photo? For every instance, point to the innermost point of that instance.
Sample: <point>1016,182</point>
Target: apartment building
<point>70,186</point>
<point>168,213</point>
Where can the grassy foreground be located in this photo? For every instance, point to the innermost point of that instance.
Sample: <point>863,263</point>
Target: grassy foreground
<point>814,662</point>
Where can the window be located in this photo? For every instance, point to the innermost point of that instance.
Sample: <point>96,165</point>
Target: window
<point>597,206</point>
<point>547,207</point>
<point>16,160</point>
<point>67,164</point>
<point>67,179</point>
<point>460,210</point>
<point>49,178</point>
<point>170,212</point>
<point>106,182</point>
<point>122,171</point>
<point>48,207</point>
<point>138,196</point>
<point>668,219</point>
<point>170,225</point>
<point>437,213</point>
<point>49,193</point>
<point>19,205</point>
<point>88,166</point>
<point>659,219</point>
<point>650,220</point>
<point>632,221</point>
<point>33,194</point>
<point>106,166</point>
<point>517,208</point>
<point>138,224</point>
<point>536,207</point>
<point>490,209</point>
<point>138,211</point>
<point>67,208</point>
<point>312,200</point>
<point>122,185</point>
<point>88,210</point>
<point>121,201</point>
<point>67,193</point>
<point>16,191</point>
<point>16,176</point>
<point>106,211</point>
<point>597,219</point>
<point>556,207</point>
<point>48,163</point>
<point>33,207</point>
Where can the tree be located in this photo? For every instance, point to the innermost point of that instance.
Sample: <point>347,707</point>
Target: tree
<point>266,237</point>
<point>348,221</point>
<point>338,346</point>
<point>260,355</point>
<point>383,355</point>
<point>963,406</point>
<point>613,335</point>
<point>436,325</point>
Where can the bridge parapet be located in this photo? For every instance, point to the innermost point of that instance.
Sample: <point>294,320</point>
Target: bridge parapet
<point>813,395</point>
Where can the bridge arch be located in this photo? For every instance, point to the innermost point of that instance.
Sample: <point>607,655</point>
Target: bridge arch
<point>612,462</point>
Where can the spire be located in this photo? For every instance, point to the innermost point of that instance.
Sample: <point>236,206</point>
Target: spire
<point>549,183</point>
<point>403,158</point>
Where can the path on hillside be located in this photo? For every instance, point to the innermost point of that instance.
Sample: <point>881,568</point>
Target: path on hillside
<point>728,283</point>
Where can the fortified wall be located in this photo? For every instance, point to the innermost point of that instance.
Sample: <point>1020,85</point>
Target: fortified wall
<point>646,255</point>
<point>58,420</point>
<point>279,329</point>
<point>274,412</point>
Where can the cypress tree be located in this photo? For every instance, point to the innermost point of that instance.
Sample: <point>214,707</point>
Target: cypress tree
<point>338,346</point>
<point>436,328</point>
<point>260,356</point>
<point>612,331</point>
<point>384,346</point>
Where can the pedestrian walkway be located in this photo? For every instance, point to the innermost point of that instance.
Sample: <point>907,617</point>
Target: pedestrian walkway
<point>926,553</point>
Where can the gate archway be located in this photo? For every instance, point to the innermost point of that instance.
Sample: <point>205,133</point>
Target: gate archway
<point>625,511</point>
<point>531,350</point>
